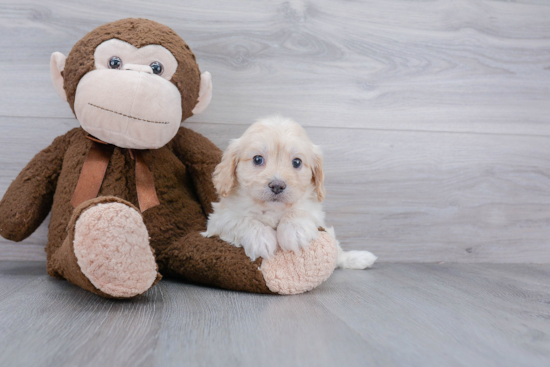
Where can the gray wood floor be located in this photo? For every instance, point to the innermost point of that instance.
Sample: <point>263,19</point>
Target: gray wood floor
<point>393,315</point>
<point>433,115</point>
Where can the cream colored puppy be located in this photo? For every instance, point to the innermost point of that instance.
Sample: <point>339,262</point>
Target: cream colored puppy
<point>271,185</point>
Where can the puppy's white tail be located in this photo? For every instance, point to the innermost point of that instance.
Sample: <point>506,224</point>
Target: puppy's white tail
<point>352,259</point>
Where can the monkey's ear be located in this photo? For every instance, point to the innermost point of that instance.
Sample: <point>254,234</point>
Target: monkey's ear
<point>205,93</point>
<point>57,65</point>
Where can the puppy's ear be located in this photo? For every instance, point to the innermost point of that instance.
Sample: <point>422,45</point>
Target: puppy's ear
<point>225,172</point>
<point>318,174</point>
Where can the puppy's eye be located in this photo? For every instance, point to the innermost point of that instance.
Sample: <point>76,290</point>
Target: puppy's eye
<point>296,162</point>
<point>258,160</point>
<point>115,62</point>
<point>157,68</point>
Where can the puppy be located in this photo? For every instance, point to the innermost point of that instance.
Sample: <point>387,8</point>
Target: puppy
<point>270,181</point>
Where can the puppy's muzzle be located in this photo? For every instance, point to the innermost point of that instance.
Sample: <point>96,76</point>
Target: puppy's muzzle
<point>277,186</point>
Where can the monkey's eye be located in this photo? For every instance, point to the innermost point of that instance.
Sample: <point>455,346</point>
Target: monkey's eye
<point>258,160</point>
<point>115,62</point>
<point>157,67</point>
<point>296,162</point>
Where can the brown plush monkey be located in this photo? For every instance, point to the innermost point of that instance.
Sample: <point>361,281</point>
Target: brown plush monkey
<point>129,190</point>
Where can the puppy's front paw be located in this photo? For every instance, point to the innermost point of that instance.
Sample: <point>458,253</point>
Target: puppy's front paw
<point>260,241</point>
<point>296,234</point>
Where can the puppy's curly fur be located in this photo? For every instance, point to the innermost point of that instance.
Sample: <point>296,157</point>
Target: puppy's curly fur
<point>271,184</point>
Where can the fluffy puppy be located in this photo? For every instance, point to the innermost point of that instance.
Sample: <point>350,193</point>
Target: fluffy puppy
<point>270,181</point>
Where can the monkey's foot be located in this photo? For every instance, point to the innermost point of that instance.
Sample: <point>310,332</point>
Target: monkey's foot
<point>107,250</point>
<point>212,261</point>
<point>111,244</point>
<point>290,272</point>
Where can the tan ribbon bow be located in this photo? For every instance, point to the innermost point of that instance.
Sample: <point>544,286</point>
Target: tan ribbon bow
<point>93,173</point>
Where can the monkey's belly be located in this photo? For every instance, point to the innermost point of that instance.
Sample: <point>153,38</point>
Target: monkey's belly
<point>179,211</point>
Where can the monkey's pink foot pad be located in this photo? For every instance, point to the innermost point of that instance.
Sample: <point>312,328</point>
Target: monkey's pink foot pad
<point>292,273</point>
<point>111,244</point>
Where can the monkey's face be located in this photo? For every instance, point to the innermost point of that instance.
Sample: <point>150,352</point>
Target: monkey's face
<point>128,100</point>
<point>132,97</point>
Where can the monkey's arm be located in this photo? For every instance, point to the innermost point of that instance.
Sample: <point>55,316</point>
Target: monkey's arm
<point>29,198</point>
<point>201,157</point>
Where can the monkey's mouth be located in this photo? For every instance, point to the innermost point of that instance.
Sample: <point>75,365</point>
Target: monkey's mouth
<point>132,117</point>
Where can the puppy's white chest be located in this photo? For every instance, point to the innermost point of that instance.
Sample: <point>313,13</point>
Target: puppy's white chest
<point>271,218</point>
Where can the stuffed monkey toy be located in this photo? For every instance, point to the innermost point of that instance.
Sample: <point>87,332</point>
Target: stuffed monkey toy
<point>130,190</point>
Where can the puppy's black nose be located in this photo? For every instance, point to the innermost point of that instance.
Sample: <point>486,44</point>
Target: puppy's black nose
<point>277,186</point>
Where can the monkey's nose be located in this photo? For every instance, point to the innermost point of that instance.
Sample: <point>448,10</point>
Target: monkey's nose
<point>277,186</point>
<point>137,67</point>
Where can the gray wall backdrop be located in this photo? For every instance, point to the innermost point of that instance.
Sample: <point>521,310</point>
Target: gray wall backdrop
<point>433,115</point>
